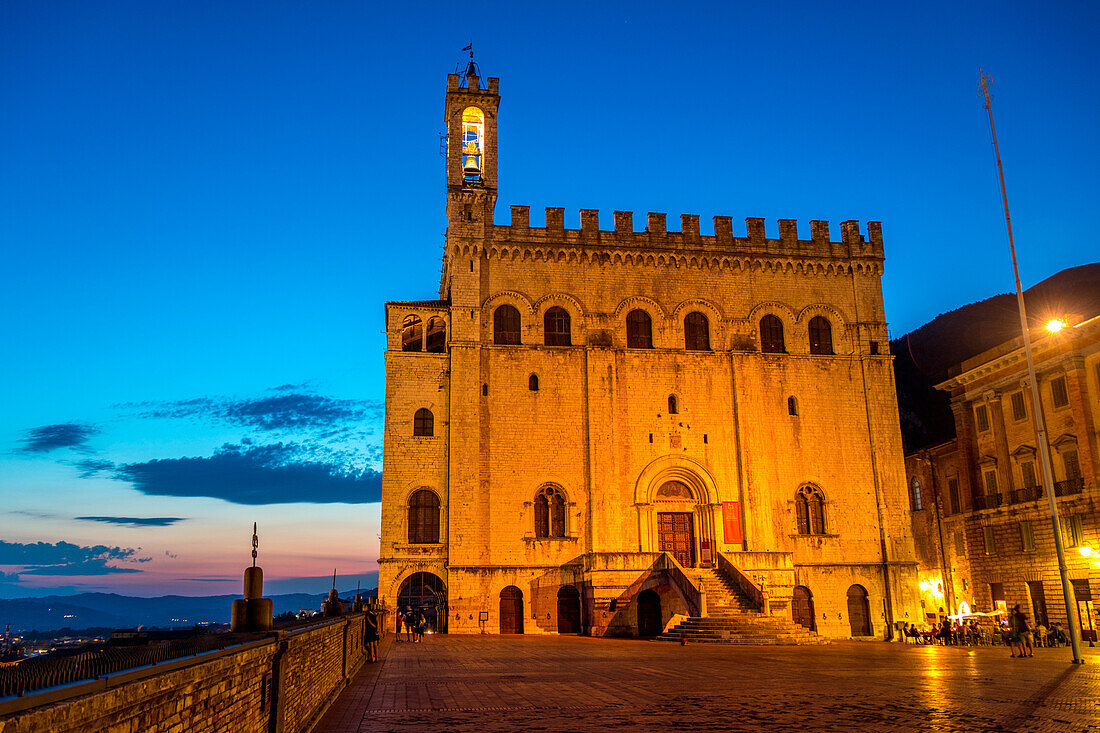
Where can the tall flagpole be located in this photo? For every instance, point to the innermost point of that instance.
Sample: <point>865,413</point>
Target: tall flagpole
<point>1037,406</point>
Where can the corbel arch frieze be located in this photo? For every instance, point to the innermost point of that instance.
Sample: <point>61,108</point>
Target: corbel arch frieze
<point>513,297</point>
<point>635,301</point>
<point>565,300</point>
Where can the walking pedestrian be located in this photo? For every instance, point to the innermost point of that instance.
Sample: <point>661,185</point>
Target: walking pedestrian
<point>370,636</point>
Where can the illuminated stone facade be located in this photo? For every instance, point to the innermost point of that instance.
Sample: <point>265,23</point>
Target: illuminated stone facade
<point>598,396</point>
<point>982,492</point>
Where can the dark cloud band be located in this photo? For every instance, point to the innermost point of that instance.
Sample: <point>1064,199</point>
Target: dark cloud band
<point>135,521</point>
<point>254,475</point>
<point>49,438</point>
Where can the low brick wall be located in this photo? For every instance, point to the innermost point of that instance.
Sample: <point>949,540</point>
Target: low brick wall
<point>281,683</point>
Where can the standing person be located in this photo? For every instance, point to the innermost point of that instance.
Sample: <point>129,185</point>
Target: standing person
<point>400,620</point>
<point>1025,633</point>
<point>370,635</point>
<point>421,625</point>
<point>1040,634</point>
<point>409,624</point>
<point>1015,632</point>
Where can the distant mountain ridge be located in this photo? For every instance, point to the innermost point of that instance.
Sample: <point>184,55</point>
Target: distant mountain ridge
<point>86,610</point>
<point>924,357</point>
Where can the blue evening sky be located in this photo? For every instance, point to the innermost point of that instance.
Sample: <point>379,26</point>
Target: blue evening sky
<point>203,206</point>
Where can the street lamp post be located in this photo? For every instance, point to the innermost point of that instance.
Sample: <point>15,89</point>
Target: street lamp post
<point>1040,424</point>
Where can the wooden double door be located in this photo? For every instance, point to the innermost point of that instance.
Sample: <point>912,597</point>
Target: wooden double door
<point>676,535</point>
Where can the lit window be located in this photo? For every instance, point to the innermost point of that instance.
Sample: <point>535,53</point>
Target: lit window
<point>821,336</point>
<point>771,335</point>
<point>914,496</point>
<point>473,144</point>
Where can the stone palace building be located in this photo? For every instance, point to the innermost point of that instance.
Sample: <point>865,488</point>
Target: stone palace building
<point>615,432</point>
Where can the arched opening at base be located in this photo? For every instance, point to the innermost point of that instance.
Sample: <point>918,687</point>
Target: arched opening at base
<point>424,593</point>
<point>859,611</point>
<point>649,613</point>
<point>569,610</point>
<point>511,610</point>
<point>802,608</point>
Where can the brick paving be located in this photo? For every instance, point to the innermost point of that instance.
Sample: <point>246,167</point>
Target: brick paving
<point>541,683</point>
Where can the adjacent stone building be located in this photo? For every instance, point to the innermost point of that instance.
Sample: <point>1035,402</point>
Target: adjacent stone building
<point>980,513</point>
<point>594,430</point>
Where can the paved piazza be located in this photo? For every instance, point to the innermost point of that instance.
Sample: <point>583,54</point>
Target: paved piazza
<point>539,683</point>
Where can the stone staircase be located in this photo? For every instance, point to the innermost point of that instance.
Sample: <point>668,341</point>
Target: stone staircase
<point>731,619</point>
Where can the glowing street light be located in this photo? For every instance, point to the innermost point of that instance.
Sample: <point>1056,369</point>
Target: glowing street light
<point>1055,325</point>
<point>1087,551</point>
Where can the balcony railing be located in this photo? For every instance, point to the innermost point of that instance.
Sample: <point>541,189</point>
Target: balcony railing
<point>988,501</point>
<point>1069,486</point>
<point>1028,493</point>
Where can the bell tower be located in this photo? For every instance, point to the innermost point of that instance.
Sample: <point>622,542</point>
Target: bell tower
<point>471,116</point>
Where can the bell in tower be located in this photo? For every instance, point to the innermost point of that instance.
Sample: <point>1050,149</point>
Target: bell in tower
<point>471,150</point>
<point>473,143</point>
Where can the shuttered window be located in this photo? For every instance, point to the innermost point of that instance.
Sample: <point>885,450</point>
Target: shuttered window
<point>423,518</point>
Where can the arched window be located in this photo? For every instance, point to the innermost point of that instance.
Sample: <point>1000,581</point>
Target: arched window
<point>473,144</point>
<point>549,513</point>
<point>437,336</point>
<point>821,336</point>
<point>533,383</point>
<point>423,518</point>
<point>696,332</point>
<point>914,495</point>
<point>639,330</point>
<point>555,327</point>
<point>809,507</point>
<point>506,325</point>
<point>672,406</point>
<point>423,423</point>
<point>792,406</point>
<point>412,333</point>
<point>771,335</point>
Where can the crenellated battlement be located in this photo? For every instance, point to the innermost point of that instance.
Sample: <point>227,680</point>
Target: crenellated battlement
<point>852,242</point>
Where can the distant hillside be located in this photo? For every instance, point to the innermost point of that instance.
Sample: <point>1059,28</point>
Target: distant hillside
<point>85,610</point>
<point>926,356</point>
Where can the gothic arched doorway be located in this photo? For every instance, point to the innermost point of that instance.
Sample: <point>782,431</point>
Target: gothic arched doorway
<point>511,610</point>
<point>649,613</point>
<point>569,610</point>
<point>425,593</point>
<point>802,608</point>
<point>859,611</point>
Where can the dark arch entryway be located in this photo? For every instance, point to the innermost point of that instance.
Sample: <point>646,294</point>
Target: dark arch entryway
<point>569,610</point>
<point>649,613</point>
<point>511,610</point>
<point>425,593</point>
<point>859,611</point>
<point>802,608</point>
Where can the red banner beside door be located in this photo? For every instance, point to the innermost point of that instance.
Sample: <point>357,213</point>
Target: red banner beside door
<point>731,521</point>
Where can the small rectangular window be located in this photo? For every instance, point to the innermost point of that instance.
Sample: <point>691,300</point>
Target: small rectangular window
<point>1027,536</point>
<point>1019,411</point>
<point>990,542</point>
<point>1058,393</point>
<point>1027,472</point>
<point>1073,531</point>
<point>960,544</point>
<point>953,494</point>
<point>997,592</point>
<point>981,417</point>
<point>874,348</point>
<point>990,482</point>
